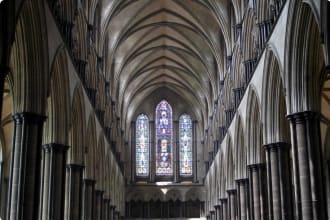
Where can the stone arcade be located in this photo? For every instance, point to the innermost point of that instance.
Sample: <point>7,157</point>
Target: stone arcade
<point>165,109</point>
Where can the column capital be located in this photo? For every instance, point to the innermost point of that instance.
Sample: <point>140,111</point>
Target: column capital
<point>239,25</point>
<point>99,192</point>
<point>256,166</point>
<point>276,146</point>
<point>223,200</point>
<point>231,191</point>
<point>303,116</point>
<point>28,117</point>
<point>89,182</point>
<point>77,167</point>
<point>253,60</point>
<point>242,180</point>
<point>61,148</point>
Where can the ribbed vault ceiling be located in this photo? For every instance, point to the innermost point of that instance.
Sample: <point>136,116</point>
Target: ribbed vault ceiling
<point>173,44</point>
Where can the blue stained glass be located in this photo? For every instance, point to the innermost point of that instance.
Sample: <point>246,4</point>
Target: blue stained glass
<point>185,142</point>
<point>164,130</point>
<point>142,145</point>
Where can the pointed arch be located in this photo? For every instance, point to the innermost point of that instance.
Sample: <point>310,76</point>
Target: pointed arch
<point>90,148</point>
<point>240,151</point>
<point>29,60</point>
<point>228,94</point>
<point>250,36</point>
<point>305,59</point>
<point>56,127</point>
<point>107,179</point>
<point>230,165</point>
<point>75,153</point>
<point>223,176</point>
<point>186,145</point>
<point>238,77</point>
<point>100,165</point>
<point>255,152</point>
<point>275,127</point>
<point>100,95</point>
<point>79,36</point>
<point>164,139</point>
<point>142,146</point>
<point>92,71</point>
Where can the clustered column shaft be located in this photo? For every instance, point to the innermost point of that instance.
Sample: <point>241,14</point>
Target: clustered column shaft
<point>53,181</point>
<point>24,183</point>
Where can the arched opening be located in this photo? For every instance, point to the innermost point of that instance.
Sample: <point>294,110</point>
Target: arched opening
<point>142,148</point>
<point>254,136</point>
<point>164,139</point>
<point>186,146</point>
<point>256,158</point>
<point>304,64</point>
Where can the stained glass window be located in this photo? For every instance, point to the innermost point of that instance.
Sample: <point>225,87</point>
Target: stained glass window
<point>142,145</point>
<point>164,156</point>
<point>185,142</point>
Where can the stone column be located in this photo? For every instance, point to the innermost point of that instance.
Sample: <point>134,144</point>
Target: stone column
<point>176,151</point>
<point>112,212</point>
<point>117,215</point>
<point>53,191</point>
<point>74,192</point>
<point>98,204</point>
<point>307,166</point>
<point>279,184</point>
<point>212,215</point>
<point>106,203</point>
<point>220,210</point>
<point>258,191</point>
<point>88,198</point>
<point>24,182</point>
<point>243,198</point>
<point>194,147</point>
<point>133,151</point>
<point>224,209</point>
<point>232,203</point>
<point>217,212</point>
<point>152,165</point>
